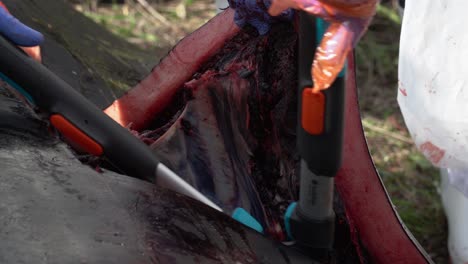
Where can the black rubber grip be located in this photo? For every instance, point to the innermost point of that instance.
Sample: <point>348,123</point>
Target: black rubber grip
<point>322,153</point>
<point>311,232</point>
<point>52,95</point>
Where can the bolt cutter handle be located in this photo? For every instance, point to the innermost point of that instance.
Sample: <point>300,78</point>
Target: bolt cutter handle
<point>320,114</point>
<point>84,124</point>
<point>311,221</point>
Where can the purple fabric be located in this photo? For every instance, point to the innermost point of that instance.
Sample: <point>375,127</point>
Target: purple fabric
<point>255,13</point>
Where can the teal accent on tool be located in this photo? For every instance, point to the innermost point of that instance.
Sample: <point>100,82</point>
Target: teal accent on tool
<point>242,216</point>
<point>17,87</point>
<point>287,217</point>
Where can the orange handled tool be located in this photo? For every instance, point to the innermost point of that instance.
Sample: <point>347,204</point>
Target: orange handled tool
<point>311,221</point>
<point>85,125</point>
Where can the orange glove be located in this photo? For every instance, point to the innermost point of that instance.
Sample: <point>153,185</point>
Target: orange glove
<point>348,20</point>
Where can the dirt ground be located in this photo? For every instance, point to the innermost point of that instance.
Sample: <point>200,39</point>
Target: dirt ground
<point>409,178</point>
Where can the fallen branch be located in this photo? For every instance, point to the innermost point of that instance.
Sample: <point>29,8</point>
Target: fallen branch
<point>386,132</point>
<point>149,17</point>
<point>155,14</point>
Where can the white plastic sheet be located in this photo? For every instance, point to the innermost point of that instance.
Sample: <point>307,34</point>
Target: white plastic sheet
<point>432,94</point>
<point>456,209</point>
<point>433,81</point>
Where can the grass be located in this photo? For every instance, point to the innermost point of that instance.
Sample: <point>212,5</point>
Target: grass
<point>127,25</point>
<point>413,185</point>
<point>138,26</point>
<point>409,178</point>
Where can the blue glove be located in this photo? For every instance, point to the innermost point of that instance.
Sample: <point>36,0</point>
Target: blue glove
<point>20,34</point>
<point>255,13</point>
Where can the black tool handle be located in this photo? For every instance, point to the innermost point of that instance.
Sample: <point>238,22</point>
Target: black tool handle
<point>322,151</point>
<point>86,125</point>
<point>54,96</point>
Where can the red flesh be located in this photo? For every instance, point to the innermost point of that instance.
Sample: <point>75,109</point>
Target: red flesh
<point>366,201</point>
<point>141,104</point>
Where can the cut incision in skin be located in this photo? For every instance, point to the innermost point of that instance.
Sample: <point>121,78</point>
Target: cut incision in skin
<point>231,129</point>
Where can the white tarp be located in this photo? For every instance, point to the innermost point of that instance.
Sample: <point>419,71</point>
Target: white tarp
<point>433,82</point>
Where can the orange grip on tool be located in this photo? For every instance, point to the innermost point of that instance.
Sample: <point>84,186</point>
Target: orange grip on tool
<point>75,135</point>
<point>313,111</point>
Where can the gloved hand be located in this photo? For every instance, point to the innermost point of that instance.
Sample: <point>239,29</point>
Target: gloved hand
<point>20,34</point>
<point>348,20</point>
<point>255,13</point>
